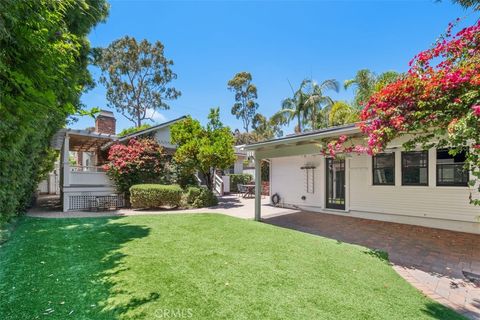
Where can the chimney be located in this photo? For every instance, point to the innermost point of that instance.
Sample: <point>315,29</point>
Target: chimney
<point>105,122</point>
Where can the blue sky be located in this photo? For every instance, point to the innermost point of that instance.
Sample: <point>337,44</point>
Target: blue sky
<point>276,41</point>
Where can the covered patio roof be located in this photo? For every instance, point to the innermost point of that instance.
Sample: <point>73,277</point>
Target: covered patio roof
<point>304,138</point>
<point>299,144</point>
<point>81,140</point>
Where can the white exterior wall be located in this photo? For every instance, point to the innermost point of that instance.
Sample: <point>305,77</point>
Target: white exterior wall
<point>450,203</point>
<point>431,206</point>
<point>238,165</point>
<point>289,181</point>
<point>162,136</point>
<point>89,178</point>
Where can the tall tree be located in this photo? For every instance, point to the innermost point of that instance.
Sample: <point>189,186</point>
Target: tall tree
<point>137,77</point>
<point>43,72</point>
<point>316,100</point>
<point>245,106</point>
<point>266,128</point>
<point>342,113</point>
<point>306,104</point>
<point>366,83</point>
<point>203,149</point>
<point>293,108</point>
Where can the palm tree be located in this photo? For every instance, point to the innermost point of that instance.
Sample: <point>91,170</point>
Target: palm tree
<point>293,108</point>
<point>367,83</point>
<point>364,81</point>
<point>306,104</point>
<point>342,113</point>
<point>317,102</point>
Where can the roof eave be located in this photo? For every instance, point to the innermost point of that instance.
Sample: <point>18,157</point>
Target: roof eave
<point>300,138</point>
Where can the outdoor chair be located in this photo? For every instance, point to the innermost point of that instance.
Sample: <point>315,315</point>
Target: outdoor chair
<point>241,189</point>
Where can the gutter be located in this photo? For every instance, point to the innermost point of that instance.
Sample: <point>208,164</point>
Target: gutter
<point>332,132</point>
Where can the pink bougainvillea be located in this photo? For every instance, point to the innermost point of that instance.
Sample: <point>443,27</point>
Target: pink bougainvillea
<point>438,96</point>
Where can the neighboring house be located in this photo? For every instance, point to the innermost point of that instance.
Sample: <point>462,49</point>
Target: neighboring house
<point>426,188</point>
<point>80,173</point>
<point>160,132</point>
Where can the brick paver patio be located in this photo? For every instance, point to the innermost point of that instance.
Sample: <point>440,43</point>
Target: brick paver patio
<point>433,260</point>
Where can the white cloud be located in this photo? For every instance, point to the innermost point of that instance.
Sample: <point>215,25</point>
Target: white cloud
<point>155,116</point>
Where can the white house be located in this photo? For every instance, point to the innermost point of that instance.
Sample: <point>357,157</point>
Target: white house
<point>426,188</point>
<point>80,174</point>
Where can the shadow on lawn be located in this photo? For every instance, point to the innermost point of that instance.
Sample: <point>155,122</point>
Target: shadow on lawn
<point>87,254</point>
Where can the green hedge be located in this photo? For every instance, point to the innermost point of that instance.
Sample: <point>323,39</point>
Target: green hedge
<point>239,179</point>
<point>147,196</point>
<point>197,197</point>
<point>44,54</point>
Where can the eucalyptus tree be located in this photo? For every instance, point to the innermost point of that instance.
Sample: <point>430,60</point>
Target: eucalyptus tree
<point>137,77</point>
<point>245,106</point>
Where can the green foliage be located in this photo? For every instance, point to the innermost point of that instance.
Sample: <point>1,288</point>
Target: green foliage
<point>203,149</point>
<point>342,113</point>
<point>137,77</point>
<point>307,105</point>
<point>147,196</point>
<point>468,3</point>
<point>366,83</point>
<point>245,106</point>
<point>131,130</point>
<point>182,175</point>
<point>197,197</point>
<point>236,179</point>
<point>43,71</point>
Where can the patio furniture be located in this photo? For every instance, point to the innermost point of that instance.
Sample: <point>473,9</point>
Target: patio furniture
<point>240,189</point>
<point>249,190</point>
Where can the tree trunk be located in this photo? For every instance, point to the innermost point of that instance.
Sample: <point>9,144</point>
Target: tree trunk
<point>299,123</point>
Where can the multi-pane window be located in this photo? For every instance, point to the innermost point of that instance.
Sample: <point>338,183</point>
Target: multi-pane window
<point>415,168</point>
<point>384,169</point>
<point>451,170</point>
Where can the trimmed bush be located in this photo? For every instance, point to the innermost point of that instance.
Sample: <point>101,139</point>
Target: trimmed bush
<point>148,196</point>
<point>236,179</point>
<point>197,197</point>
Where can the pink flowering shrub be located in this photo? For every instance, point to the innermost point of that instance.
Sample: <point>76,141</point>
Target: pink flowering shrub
<point>438,97</point>
<point>140,161</point>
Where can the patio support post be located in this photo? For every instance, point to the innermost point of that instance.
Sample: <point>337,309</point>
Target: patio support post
<point>66,164</point>
<point>258,187</point>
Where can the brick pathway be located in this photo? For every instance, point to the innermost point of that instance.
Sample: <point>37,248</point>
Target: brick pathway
<point>430,259</point>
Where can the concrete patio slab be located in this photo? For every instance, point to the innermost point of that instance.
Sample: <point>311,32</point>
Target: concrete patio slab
<point>232,205</point>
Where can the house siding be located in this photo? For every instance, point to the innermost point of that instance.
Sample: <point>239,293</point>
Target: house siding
<point>288,180</point>
<point>442,207</point>
<point>450,203</point>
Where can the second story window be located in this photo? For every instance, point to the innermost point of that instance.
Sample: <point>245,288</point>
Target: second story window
<point>451,170</point>
<point>415,168</point>
<point>384,169</point>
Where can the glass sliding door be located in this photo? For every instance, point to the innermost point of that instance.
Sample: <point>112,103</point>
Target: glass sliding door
<point>335,183</point>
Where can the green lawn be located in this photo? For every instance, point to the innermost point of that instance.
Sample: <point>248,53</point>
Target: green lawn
<point>195,266</point>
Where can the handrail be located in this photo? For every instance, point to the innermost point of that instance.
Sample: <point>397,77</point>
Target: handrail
<point>87,169</point>
<point>218,184</point>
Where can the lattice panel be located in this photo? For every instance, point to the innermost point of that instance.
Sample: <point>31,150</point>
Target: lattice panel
<point>83,202</point>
